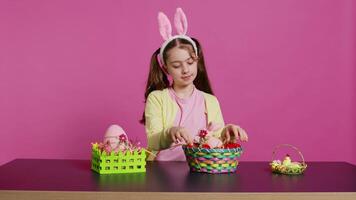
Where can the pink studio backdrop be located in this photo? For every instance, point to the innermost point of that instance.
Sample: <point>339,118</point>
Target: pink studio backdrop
<point>283,70</point>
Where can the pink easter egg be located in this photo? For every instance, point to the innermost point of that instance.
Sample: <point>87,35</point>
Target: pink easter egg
<point>214,142</point>
<point>112,135</point>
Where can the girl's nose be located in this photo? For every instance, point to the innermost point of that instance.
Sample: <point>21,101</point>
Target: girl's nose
<point>185,68</point>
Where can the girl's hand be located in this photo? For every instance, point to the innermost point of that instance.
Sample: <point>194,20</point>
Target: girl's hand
<point>233,132</point>
<point>180,135</point>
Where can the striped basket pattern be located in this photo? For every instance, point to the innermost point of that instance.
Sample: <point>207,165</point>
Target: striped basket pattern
<point>212,161</point>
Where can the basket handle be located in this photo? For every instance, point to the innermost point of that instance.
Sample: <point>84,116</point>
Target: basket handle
<point>288,145</point>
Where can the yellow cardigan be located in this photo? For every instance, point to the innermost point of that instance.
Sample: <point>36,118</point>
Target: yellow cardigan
<point>160,113</point>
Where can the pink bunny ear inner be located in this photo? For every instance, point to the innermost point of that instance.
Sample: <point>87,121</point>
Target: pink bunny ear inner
<point>180,22</point>
<point>165,27</point>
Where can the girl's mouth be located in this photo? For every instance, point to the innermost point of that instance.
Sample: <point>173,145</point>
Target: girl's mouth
<point>186,77</point>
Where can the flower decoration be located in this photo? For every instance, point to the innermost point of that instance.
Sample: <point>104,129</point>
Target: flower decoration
<point>203,133</point>
<point>122,138</point>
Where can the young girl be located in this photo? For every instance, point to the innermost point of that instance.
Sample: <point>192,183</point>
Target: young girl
<point>177,110</point>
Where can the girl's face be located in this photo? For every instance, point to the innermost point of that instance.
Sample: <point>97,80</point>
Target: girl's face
<point>181,66</point>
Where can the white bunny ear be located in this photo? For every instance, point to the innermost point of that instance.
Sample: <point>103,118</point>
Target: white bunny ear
<point>165,27</point>
<point>180,22</point>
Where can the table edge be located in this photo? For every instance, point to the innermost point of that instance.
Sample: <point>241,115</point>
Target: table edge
<point>24,194</point>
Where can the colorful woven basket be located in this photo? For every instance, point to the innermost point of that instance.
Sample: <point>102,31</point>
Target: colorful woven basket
<point>212,161</point>
<point>294,168</point>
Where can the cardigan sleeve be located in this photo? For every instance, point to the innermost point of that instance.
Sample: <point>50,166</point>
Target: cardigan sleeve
<point>157,134</point>
<point>216,116</point>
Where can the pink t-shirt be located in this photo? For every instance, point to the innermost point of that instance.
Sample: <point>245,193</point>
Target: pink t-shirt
<point>192,116</point>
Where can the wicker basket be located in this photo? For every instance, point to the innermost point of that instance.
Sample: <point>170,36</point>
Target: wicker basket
<point>294,169</point>
<point>212,161</point>
<point>114,163</point>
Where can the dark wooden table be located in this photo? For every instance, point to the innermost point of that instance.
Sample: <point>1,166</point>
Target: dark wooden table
<point>73,179</point>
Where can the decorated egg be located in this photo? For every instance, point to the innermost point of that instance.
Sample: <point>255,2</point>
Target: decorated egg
<point>214,142</point>
<point>114,136</point>
<point>287,160</point>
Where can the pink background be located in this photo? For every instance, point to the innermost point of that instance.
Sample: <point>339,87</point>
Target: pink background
<point>282,69</point>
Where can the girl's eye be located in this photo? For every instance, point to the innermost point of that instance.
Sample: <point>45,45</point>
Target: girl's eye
<point>176,66</point>
<point>190,61</point>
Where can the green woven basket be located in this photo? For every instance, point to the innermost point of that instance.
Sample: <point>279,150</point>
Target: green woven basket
<point>114,163</point>
<point>212,161</point>
<point>295,169</point>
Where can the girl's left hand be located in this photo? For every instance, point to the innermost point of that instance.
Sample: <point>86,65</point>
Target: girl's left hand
<point>233,132</point>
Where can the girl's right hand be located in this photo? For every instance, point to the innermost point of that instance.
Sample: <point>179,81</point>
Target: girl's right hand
<point>180,135</point>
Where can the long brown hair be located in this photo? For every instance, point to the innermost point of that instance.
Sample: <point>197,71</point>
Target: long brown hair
<point>157,78</point>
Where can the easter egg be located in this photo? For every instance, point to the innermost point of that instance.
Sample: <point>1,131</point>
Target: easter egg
<point>112,136</point>
<point>214,142</point>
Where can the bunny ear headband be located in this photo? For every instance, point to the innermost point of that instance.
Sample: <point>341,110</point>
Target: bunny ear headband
<point>165,28</point>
